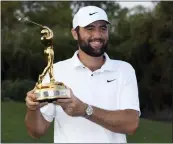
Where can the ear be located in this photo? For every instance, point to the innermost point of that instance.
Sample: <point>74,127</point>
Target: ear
<point>74,33</point>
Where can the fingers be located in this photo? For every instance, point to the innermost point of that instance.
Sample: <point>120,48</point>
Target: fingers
<point>32,105</point>
<point>64,100</point>
<point>31,95</point>
<point>31,101</point>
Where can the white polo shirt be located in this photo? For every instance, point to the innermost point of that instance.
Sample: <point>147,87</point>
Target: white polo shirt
<point>112,87</point>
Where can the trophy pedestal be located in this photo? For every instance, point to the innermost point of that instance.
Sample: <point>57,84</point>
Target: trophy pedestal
<point>51,92</point>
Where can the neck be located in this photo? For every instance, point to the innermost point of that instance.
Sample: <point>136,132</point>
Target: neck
<point>93,63</point>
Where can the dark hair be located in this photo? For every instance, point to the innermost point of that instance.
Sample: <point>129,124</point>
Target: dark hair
<point>77,30</point>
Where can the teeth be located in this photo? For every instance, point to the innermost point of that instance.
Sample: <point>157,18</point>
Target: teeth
<point>96,42</point>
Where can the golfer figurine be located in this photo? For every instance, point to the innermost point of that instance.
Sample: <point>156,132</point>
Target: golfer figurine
<point>49,92</point>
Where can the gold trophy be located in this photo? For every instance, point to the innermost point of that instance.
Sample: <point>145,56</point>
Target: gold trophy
<point>53,90</point>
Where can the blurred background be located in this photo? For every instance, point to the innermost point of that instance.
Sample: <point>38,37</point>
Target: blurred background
<point>142,36</point>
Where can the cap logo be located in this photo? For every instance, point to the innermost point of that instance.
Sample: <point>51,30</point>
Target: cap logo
<point>92,13</point>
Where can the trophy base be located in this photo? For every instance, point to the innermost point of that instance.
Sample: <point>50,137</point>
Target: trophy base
<point>51,92</point>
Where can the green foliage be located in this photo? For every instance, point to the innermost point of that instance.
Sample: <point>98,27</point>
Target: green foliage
<point>16,90</point>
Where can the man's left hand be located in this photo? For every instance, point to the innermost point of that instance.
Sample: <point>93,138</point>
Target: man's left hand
<point>72,106</point>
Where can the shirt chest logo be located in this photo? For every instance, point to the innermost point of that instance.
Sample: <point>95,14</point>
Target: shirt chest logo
<point>108,81</point>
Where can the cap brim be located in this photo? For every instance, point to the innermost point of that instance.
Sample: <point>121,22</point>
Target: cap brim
<point>86,24</point>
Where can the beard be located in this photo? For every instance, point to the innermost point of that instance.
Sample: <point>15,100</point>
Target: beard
<point>88,49</point>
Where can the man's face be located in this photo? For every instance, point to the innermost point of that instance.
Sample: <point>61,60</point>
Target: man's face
<point>93,39</point>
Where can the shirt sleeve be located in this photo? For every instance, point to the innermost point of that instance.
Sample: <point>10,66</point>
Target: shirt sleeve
<point>129,94</point>
<point>48,111</point>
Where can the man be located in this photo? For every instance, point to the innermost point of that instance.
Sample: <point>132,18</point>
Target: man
<point>104,104</point>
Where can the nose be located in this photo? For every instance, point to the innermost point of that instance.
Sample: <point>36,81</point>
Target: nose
<point>97,34</point>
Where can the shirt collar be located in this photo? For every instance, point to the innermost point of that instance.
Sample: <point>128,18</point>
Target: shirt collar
<point>107,66</point>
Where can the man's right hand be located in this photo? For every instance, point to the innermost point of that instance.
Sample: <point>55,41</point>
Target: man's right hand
<point>31,101</point>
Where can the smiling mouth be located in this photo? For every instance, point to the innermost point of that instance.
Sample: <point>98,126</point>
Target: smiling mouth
<point>96,44</point>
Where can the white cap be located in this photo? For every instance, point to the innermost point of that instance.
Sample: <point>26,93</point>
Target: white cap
<point>87,15</point>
